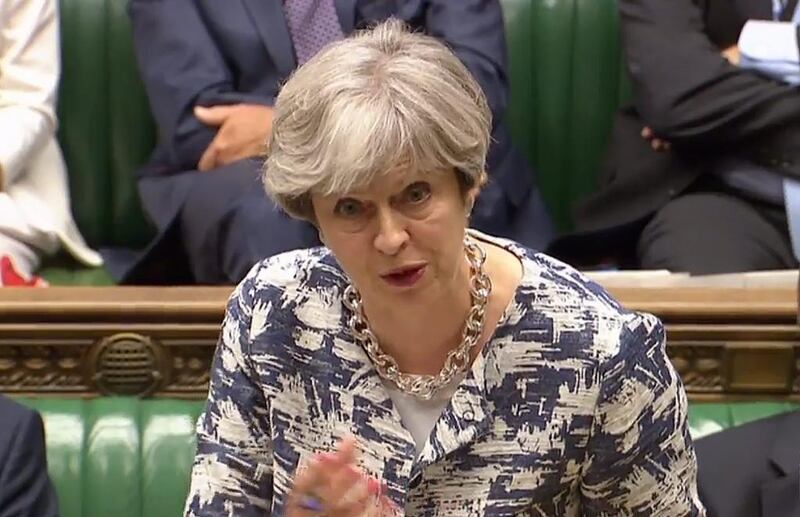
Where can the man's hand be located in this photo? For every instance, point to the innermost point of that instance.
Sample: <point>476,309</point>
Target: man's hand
<point>732,55</point>
<point>243,133</point>
<point>656,143</point>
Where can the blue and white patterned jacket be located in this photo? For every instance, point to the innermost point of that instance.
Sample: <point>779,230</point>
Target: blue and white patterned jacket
<point>571,409</point>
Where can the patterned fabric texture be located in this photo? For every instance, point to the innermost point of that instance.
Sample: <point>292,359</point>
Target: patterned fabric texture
<point>571,409</point>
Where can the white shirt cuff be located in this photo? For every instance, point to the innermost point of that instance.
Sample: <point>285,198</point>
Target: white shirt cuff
<point>769,41</point>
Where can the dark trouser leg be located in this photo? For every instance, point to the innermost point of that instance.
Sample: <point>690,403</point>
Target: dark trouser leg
<point>713,232</point>
<point>228,224</point>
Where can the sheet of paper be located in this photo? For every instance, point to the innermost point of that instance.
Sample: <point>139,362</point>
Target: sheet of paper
<point>663,278</point>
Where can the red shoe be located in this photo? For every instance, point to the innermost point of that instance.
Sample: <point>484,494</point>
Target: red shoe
<point>10,277</point>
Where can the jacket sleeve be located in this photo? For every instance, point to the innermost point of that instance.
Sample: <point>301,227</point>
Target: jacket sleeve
<point>690,95</point>
<point>29,72</point>
<point>24,478</point>
<point>474,30</point>
<point>232,473</point>
<point>640,458</point>
<point>181,66</point>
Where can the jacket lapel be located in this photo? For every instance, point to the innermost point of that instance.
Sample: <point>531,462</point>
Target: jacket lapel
<point>270,21</point>
<point>466,418</point>
<point>366,411</point>
<point>780,497</point>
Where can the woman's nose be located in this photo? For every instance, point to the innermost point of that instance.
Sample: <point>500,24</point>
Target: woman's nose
<point>392,234</point>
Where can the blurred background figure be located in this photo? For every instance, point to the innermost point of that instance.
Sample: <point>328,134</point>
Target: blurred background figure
<point>35,217</point>
<point>694,177</point>
<point>25,488</point>
<point>212,71</point>
<point>752,470</point>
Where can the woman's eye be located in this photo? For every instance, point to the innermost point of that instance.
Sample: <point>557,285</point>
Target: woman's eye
<point>348,208</point>
<point>418,192</point>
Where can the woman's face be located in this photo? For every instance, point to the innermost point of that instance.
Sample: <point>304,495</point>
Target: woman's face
<point>400,238</point>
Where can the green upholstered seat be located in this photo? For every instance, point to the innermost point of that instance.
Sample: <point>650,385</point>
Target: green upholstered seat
<point>120,457</point>
<point>708,418</point>
<point>124,457</point>
<point>105,131</point>
<point>567,79</point>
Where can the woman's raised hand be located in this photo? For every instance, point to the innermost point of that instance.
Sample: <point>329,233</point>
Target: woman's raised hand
<point>331,485</point>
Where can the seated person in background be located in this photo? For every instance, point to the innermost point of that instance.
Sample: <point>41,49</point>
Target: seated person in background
<point>473,375</point>
<point>212,71</point>
<point>699,170</point>
<point>35,216</point>
<point>25,488</point>
<point>752,470</point>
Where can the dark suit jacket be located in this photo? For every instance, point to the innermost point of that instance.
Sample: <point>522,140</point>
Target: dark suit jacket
<point>691,96</point>
<point>211,52</point>
<point>752,470</point>
<point>25,489</point>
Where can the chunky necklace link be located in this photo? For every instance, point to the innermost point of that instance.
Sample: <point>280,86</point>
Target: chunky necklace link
<point>457,361</point>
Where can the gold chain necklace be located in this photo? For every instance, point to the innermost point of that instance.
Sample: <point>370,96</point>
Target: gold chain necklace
<point>457,361</point>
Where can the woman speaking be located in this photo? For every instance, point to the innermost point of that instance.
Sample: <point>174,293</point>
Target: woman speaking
<point>411,365</point>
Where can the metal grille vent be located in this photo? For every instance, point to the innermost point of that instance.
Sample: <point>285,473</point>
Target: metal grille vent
<point>127,364</point>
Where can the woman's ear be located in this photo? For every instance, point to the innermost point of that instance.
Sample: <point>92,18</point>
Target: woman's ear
<point>469,203</point>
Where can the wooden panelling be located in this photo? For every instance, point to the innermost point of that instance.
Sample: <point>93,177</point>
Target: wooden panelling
<point>731,343</point>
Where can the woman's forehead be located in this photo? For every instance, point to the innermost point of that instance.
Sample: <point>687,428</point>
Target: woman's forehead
<point>395,180</point>
<point>390,181</point>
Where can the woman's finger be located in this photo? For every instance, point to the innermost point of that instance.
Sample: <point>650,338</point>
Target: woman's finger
<point>347,451</point>
<point>353,495</point>
<point>339,471</point>
<point>306,498</point>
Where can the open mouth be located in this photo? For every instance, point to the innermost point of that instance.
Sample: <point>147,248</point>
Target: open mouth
<point>405,277</point>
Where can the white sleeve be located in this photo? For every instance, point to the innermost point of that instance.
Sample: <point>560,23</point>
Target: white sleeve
<point>29,74</point>
<point>774,42</point>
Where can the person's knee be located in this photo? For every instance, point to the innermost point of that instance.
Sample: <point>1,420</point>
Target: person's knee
<point>708,234</point>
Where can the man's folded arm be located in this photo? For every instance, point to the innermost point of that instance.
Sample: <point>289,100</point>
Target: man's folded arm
<point>693,97</point>
<point>181,67</point>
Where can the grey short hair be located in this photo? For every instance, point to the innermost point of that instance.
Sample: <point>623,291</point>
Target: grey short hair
<point>381,99</point>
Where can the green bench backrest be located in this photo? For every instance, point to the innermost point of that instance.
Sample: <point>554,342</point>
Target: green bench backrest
<point>118,457</point>
<point>106,131</point>
<point>567,79</point>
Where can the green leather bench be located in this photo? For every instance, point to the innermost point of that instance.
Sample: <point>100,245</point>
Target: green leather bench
<point>105,131</point>
<point>125,457</point>
<point>565,82</point>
